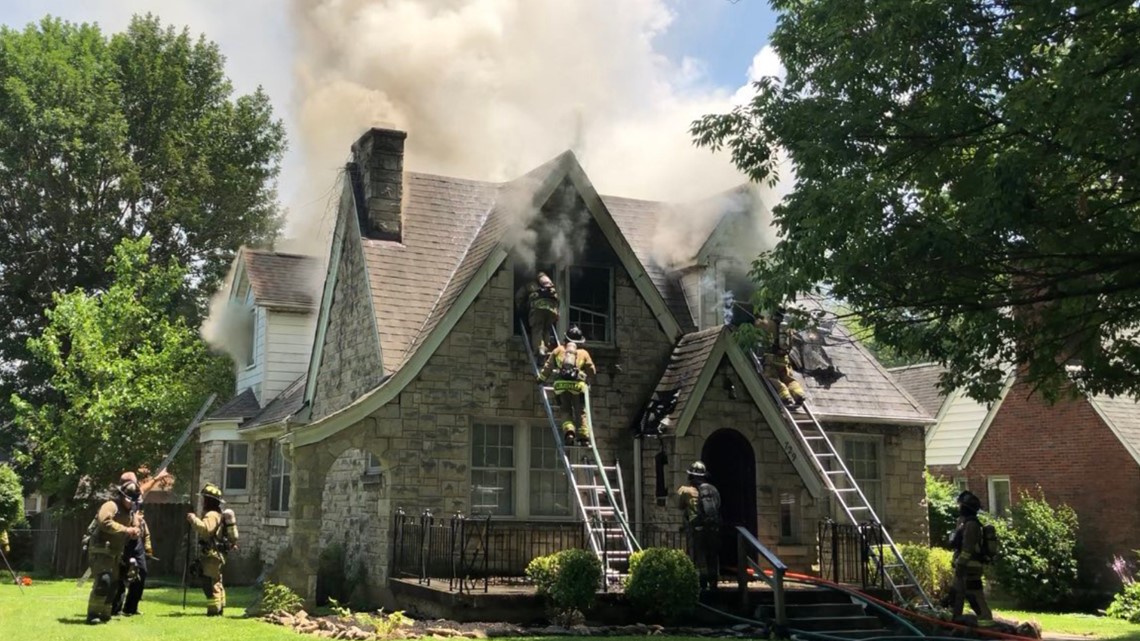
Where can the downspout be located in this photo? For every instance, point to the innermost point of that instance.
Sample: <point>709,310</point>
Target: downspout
<point>638,488</point>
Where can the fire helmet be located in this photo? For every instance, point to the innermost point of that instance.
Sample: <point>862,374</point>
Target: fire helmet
<point>698,469</point>
<point>574,334</point>
<point>212,491</point>
<point>130,491</point>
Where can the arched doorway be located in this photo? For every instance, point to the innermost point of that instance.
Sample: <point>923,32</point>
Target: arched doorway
<point>732,469</point>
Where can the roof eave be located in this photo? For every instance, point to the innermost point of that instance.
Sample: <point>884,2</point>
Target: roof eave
<point>873,419</point>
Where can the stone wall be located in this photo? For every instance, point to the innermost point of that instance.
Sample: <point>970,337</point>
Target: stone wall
<point>350,359</point>
<point>353,502</point>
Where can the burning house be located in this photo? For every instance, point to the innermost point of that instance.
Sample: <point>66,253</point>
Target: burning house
<point>410,388</point>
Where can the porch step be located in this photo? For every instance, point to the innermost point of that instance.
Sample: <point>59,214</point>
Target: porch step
<point>813,610</point>
<point>816,624</point>
<point>858,634</point>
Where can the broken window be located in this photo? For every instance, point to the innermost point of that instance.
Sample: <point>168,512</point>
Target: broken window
<point>591,302</point>
<point>237,467</point>
<point>549,489</point>
<point>492,469</point>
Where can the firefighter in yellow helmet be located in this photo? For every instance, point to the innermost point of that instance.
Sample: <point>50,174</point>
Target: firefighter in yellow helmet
<point>108,537</point>
<point>217,534</point>
<point>777,367</point>
<point>571,367</point>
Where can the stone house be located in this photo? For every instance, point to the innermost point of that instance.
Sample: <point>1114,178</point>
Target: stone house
<point>419,394</point>
<point>1082,451</point>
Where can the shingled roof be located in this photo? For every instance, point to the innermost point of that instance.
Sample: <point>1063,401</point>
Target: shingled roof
<point>1122,414</point>
<point>686,363</point>
<point>238,408</point>
<point>285,405</point>
<point>281,281</point>
<point>921,381</point>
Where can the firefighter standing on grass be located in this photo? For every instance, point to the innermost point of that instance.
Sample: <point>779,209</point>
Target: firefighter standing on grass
<point>571,366</point>
<point>133,571</point>
<point>699,500</point>
<point>111,529</point>
<point>217,532</point>
<point>777,367</point>
<point>969,560</point>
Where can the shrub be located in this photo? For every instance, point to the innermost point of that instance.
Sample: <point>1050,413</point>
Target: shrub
<point>11,498</point>
<point>1037,565</point>
<point>663,583</point>
<point>942,508</point>
<point>276,598</point>
<point>569,579</point>
<point>331,577</point>
<point>931,567</point>
<point>1126,604</point>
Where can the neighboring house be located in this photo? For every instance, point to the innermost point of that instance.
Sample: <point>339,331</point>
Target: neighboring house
<point>418,393</point>
<point>1083,451</point>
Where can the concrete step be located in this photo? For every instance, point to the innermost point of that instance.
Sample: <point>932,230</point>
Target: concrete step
<point>812,610</point>
<point>814,624</point>
<point>859,634</point>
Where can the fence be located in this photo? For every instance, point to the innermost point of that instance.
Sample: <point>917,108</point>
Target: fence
<point>52,545</point>
<point>851,554</point>
<point>473,553</point>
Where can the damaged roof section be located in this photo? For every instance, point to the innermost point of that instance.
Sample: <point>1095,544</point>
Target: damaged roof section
<point>675,389</point>
<point>281,281</point>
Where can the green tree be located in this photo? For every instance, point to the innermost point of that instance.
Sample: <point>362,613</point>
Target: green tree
<point>127,374</point>
<point>105,138</point>
<point>11,498</point>
<point>967,180</point>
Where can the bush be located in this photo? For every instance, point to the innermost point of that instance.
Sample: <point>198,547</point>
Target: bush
<point>569,579</point>
<point>11,498</point>
<point>1126,604</point>
<point>942,508</point>
<point>931,567</point>
<point>331,577</point>
<point>1037,565</point>
<point>662,584</point>
<point>276,598</point>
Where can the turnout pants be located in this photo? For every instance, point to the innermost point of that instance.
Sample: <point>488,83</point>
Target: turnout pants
<point>131,585</point>
<point>104,581</point>
<point>575,411</point>
<point>968,587</point>
<point>704,549</point>
<point>212,585</point>
<point>776,369</point>
<point>539,322</point>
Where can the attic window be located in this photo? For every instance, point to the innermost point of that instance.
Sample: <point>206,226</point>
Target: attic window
<point>592,302</point>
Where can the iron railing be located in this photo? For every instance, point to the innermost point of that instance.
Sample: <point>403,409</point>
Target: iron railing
<point>474,552</point>
<point>851,554</point>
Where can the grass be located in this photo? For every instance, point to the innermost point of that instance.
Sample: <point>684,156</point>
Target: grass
<point>51,610</point>
<point>1088,625</point>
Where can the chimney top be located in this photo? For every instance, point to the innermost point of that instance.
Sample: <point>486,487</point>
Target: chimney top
<point>379,157</point>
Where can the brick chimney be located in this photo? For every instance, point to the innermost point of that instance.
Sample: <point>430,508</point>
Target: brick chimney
<point>379,158</point>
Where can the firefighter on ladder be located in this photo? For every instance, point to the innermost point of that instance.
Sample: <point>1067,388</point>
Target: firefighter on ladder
<point>777,366</point>
<point>571,366</point>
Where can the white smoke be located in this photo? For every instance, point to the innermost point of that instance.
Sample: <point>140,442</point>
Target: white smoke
<point>490,89</point>
<point>227,327</point>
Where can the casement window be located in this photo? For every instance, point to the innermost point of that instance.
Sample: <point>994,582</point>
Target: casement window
<point>372,466</point>
<point>280,473</point>
<point>1000,498</point>
<point>789,514</point>
<point>863,456</point>
<point>585,298</point>
<point>236,472</point>
<point>516,472</point>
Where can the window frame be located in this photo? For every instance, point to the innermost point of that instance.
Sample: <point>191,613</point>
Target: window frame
<point>226,468</point>
<point>879,442</point>
<point>521,508</point>
<point>1002,478</point>
<point>277,449</point>
<point>560,274</point>
<point>961,483</point>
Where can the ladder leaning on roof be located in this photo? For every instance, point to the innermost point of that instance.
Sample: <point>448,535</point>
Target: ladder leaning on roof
<point>599,492</point>
<point>839,481</point>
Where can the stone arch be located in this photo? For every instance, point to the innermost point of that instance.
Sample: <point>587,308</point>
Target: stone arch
<point>298,563</point>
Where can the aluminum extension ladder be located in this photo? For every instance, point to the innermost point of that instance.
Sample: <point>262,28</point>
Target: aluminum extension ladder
<point>839,481</point>
<point>599,491</point>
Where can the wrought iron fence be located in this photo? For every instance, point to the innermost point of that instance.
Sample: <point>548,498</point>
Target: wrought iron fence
<point>472,553</point>
<point>851,554</point>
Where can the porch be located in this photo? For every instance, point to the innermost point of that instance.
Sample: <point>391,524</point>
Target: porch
<point>467,569</point>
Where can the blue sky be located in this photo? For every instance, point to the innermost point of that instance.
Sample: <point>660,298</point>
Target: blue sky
<point>713,42</point>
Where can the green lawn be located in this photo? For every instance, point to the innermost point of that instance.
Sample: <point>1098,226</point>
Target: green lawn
<point>1095,627</point>
<point>51,610</point>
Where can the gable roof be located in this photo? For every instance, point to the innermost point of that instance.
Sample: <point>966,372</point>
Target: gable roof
<point>455,236</point>
<point>281,281</point>
<point>921,382</point>
<point>691,369</point>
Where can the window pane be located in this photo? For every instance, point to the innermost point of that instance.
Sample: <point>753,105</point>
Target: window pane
<point>274,495</point>
<point>591,302</point>
<point>237,453</point>
<point>235,478</point>
<point>1000,498</point>
<point>787,508</point>
<point>492,469</point>
<point>285,487</point>
<point>492,492</point>
<point>863,461</point>
<point>549,489</point>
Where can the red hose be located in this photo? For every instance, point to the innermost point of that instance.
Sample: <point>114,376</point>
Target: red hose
<point>903,611</point>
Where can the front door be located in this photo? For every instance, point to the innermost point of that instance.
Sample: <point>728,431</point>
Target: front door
<point>732,469</point>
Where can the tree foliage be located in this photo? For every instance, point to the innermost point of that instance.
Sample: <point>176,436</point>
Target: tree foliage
<point>11,497</point>
<point>967,180</point>
<point>127,375</point>
<point>104,138</point>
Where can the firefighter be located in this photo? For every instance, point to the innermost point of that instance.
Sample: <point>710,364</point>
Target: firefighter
<point>112,528</point>
<point>217,533</point>
<point>699,502</point>
<point>541,300</point>
<point>572,368</point>
<point>777,367</point>
<point>968,562</point>
<point>133,571</point>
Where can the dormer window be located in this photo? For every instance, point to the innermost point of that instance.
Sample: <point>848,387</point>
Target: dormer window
<point>250,330</point>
